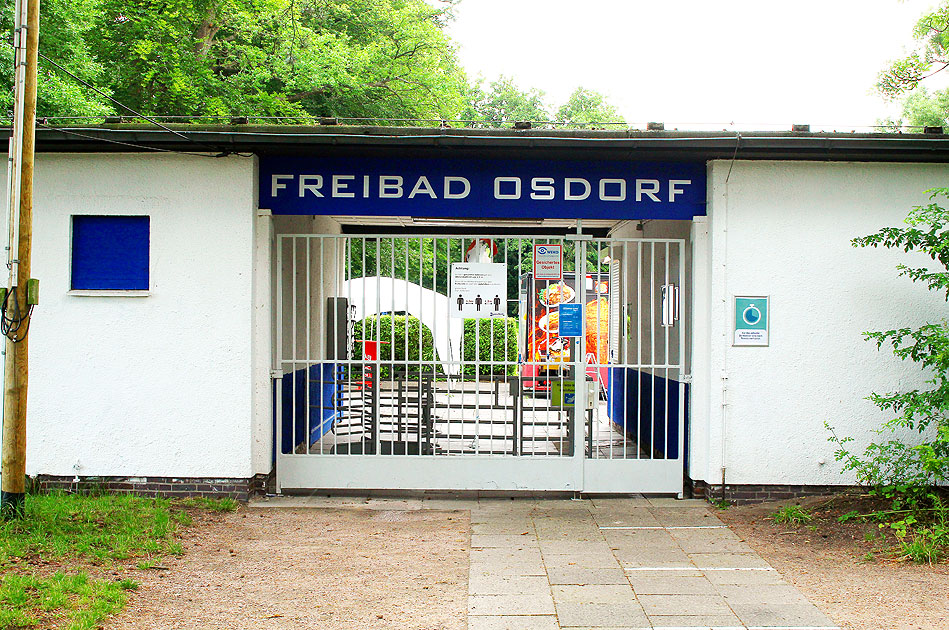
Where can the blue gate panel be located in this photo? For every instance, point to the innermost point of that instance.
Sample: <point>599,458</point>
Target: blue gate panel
<point>640,408</point>
<point>324,381</point>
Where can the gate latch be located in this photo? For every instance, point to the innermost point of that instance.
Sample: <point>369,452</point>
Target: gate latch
<point>670,304</point>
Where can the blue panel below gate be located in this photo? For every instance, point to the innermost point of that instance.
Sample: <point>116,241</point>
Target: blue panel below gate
<point>640,410</point>
<point>323,403</point>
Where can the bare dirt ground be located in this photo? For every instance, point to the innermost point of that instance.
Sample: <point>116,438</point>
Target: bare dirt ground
<point>829,562</point>
<point>310,568</point>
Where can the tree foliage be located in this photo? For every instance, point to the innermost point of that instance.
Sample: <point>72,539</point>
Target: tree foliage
<point>895,461</point>
<point>588,108</point>
<point>503,103</point>
<point>289,60</point>
<point>929,55</point>
<point>66,31</point>
<point>923,109</point>
<point>388,59</point>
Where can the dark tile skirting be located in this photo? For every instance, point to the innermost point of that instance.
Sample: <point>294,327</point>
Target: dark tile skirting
<point>238,488</point>
<point>740,494</point>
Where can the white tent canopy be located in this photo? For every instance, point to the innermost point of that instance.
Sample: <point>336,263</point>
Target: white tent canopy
<point>376,295</point>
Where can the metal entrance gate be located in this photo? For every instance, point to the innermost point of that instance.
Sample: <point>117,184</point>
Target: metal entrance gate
<point>382,383</point>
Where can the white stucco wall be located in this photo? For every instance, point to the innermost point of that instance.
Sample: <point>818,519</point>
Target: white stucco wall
<point>783,229</point>
<point>158,385</point>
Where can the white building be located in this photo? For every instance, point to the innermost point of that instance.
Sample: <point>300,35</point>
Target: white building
<point>184,299</point>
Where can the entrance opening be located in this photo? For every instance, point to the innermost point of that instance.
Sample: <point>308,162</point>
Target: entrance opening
<point>526,362</point>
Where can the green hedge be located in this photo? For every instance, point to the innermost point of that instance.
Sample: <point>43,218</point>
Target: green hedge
<point>480,336</point>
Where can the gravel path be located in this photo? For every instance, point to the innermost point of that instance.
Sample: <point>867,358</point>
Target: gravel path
<point>312,568</point>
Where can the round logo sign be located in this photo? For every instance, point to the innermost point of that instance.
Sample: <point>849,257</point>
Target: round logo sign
<point>751,315</point>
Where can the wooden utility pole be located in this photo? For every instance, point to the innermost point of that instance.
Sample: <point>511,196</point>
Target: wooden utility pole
<point>16,367</point>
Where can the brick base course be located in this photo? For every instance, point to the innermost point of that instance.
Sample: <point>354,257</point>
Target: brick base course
<point>741,494</point>
<point>239,488</point>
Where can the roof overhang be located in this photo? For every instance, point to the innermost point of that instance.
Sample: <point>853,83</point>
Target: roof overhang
<point>500,143</point>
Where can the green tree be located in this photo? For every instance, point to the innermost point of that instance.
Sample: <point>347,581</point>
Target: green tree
<point>296,59</point>
<point>924,462</point>
<point>503,103</point>
<point>928,56</point>
<point>66,29</point>
<point>588,108</point>
<point>923,109</point>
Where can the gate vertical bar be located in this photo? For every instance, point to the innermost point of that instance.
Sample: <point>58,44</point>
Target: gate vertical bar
<point>680,359</point>
<point>307,384</point>
<point>278,386</point>
<point>580,372</point>
<point>293,348</point>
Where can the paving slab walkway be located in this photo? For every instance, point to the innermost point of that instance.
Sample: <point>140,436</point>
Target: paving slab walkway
<point>618,563</point>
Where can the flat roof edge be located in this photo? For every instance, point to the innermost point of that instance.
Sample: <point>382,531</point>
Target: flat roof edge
<point>628,144</point>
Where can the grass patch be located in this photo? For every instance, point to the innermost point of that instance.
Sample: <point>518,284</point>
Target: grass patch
<point>792,515</point>
<point>76,533</point>
<point>74,601</point>
<point>89,528</point>
<point>212,505</point>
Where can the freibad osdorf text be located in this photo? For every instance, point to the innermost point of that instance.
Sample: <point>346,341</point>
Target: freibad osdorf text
<point>457,187</point>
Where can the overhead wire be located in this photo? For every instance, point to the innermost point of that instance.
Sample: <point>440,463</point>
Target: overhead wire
<point>127,144</point>
<point>217,150</point>
<point>119,103</point>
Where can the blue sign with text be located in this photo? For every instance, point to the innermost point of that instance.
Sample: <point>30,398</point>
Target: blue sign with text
<point>571,320</point>
<point>424,187</point>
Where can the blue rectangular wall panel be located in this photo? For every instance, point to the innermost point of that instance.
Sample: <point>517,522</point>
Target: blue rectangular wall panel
<point>110,252</point>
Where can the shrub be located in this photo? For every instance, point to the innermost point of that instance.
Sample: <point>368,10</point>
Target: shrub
<point>895,463</point>
<point>483,340</point>
<point>908,472</point>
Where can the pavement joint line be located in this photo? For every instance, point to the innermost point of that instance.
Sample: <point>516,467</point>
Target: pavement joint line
<point>700,569</point>
<point>661,527</point>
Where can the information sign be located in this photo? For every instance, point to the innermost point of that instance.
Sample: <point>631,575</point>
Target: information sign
<point>548,262</point>
<point>571,320</point>
<point>751,321</point>
<point>563,393</point>
<point>478,290</point>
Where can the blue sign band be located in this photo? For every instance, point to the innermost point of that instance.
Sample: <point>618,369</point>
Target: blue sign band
<point>482,188</point>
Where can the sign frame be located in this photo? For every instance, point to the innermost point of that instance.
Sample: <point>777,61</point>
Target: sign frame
<point>468,280</point>
<point>538,251</point>
<point>753,332</point>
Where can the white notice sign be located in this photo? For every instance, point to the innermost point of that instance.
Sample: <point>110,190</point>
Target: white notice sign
<point>478,290</point>
<point>548,262</point>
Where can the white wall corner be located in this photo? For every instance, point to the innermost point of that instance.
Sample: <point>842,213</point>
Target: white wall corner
<point>262,348</point>
<point>699,399</point>
<point>716,317</point>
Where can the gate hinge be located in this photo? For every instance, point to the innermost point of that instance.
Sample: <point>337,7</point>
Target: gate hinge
<point>687,378</point>
<point>276,374</point>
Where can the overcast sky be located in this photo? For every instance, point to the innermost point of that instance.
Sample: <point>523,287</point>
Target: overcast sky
<point>697,63</point>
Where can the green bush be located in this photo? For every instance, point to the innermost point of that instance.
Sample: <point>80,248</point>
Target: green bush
<point>898,463</point>
<point>483,340</point>
<point>905,469</point>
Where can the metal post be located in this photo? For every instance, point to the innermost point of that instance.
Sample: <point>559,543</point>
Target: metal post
<point>16,367</point>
